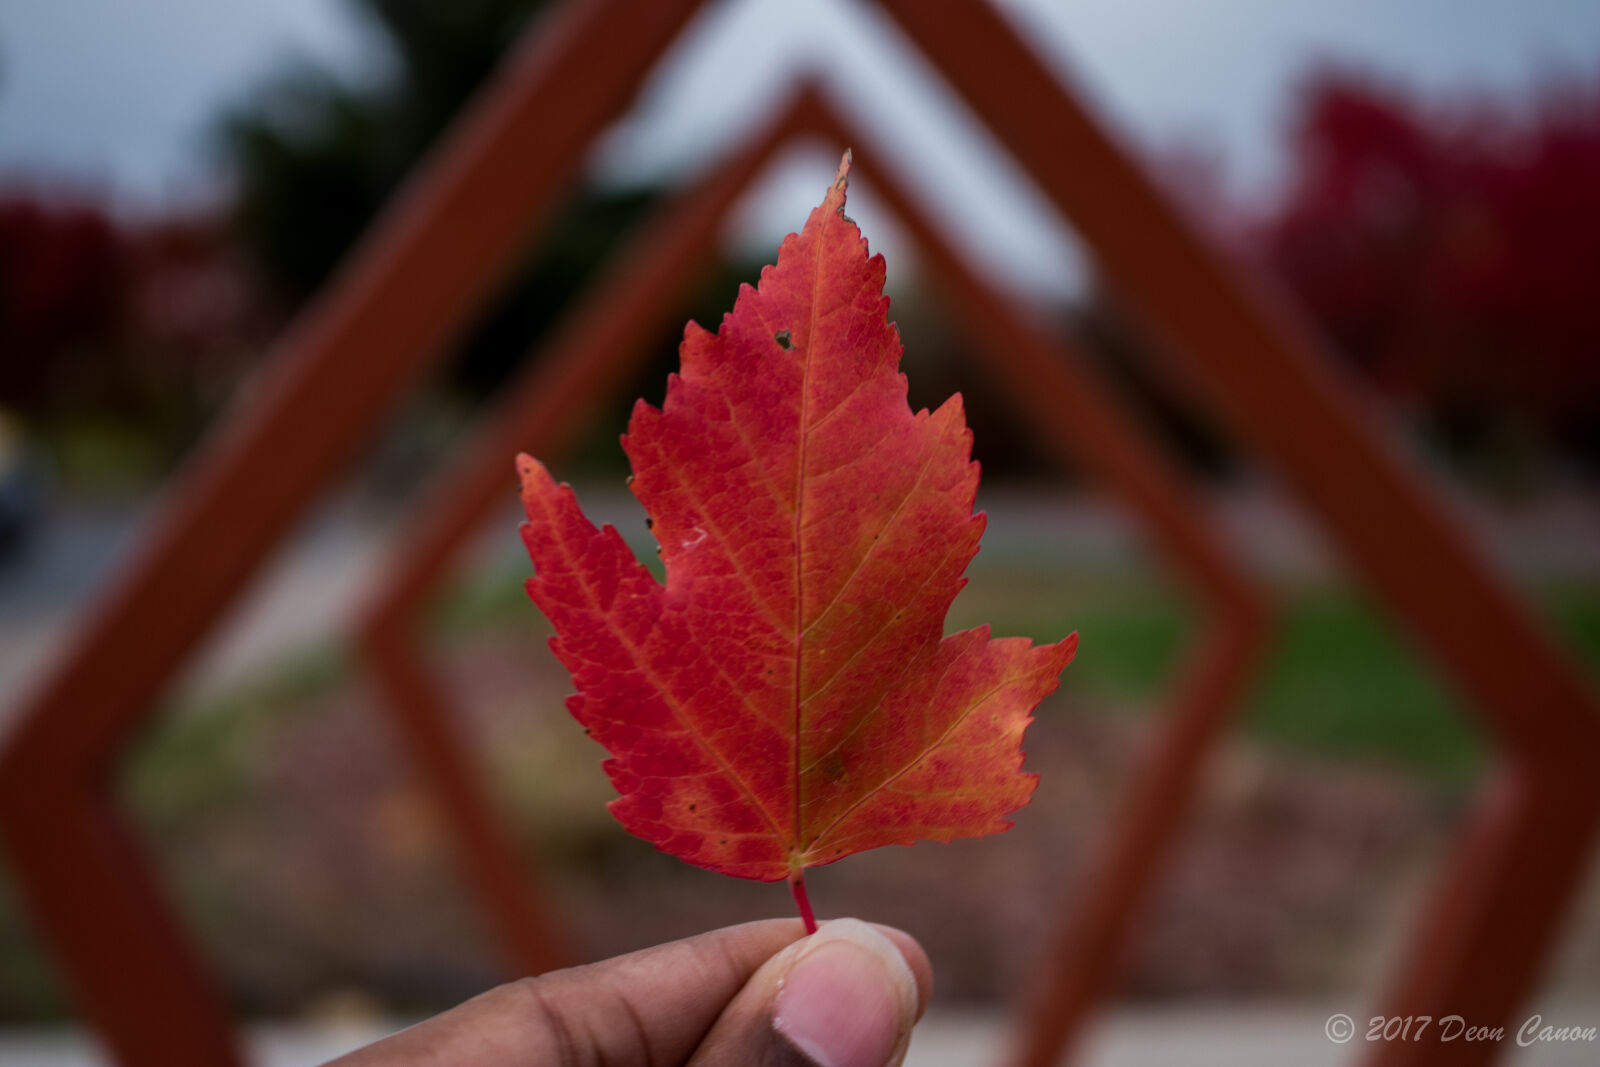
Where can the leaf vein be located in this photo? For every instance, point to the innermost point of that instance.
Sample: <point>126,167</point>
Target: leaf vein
<point>690,727</point>
<point>903,771</point>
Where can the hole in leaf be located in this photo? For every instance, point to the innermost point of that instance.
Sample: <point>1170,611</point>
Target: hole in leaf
<point>782,337</point>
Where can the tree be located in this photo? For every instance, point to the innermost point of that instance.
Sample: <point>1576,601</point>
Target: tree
<point>316,157</point>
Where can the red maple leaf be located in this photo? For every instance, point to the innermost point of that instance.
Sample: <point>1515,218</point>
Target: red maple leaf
<point>789,697</point>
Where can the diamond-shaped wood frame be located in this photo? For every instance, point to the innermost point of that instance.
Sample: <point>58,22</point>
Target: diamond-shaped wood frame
<point>1072,412</point>
<point>426,268</point>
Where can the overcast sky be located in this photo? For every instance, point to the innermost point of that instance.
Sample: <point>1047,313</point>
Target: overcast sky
<point>116,94</point>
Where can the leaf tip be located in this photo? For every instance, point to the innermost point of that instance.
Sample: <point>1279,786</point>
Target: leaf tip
<point>1068,648</point>
<point>532,475</point>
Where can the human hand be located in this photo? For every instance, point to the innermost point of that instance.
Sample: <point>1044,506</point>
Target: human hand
<point>760,993</point>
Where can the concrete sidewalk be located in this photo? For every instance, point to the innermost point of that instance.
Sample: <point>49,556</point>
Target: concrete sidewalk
<point>1145,1037</point>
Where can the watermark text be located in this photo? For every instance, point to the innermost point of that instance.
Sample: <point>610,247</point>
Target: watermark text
<point>1445,1029</point>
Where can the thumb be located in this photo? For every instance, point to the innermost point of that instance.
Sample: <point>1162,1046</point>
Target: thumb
<point>846,996</point>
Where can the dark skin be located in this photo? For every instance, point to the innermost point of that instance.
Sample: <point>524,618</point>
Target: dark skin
<point>758,993</point>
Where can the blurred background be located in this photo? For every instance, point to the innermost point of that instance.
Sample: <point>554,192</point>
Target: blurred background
<point>178,179</point>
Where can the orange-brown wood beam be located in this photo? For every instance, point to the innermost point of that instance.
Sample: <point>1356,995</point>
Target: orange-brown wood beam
<point>1079,418</point>
<point>427,264</point>
<point>553,396</point>
<point>1495,908</point>
<point>1286,396</point>
<point>1070,410</point>
<point>511,898</point>
<point>1280,388</point>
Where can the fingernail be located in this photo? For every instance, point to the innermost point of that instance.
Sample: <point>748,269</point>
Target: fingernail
<point>849,1000</point>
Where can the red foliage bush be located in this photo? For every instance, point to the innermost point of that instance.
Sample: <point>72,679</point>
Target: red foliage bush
<point>144,321</point>
<point>1453,252</point>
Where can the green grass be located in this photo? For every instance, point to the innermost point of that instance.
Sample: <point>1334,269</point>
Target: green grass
<point>192,756</point>
<point>1337,679</point>
<point>1340,681</point>
<point>1129,631</point>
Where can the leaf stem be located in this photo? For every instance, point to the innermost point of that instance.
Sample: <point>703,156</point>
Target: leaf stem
<point>797,883</point>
